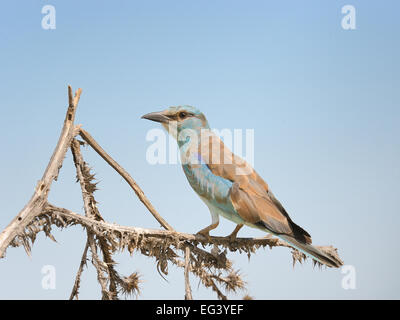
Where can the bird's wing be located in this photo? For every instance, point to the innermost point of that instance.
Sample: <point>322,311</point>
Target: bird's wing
<point>250,194</point>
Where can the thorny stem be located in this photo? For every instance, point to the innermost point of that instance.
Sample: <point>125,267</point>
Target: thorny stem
<point>91,211</point>
<point>75,289</point>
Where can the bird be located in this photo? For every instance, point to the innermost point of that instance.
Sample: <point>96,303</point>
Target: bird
<point>228,185</point>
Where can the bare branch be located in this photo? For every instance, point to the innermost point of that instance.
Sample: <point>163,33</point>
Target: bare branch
<point>188,290</point>
<point>89,139</point>
<point>155,243</point>
<point>39,198</point>
<point>101,268</point>
<point>103,228</point>
<point>85,179</point>
<point>122,235</point>
<point>75,289</point>
<point>87,187</point>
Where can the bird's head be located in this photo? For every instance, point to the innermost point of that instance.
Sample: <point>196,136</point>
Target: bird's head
<point>177,119</point>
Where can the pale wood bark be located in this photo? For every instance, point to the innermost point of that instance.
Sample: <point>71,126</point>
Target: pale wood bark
<point>39,198</point>
<point>188,290</point>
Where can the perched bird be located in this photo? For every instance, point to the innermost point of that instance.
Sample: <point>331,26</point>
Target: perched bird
<point>228,185</point>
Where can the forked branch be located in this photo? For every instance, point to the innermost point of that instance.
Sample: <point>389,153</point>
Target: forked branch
<point>15,230</point>
<point>213,268</point>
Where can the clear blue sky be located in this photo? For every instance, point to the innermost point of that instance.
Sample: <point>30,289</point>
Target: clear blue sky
<point>323,103</point>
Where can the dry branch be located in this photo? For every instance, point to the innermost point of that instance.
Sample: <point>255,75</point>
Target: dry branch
<point>122,235</point>
<point>159,244</point>
<point>88,187</point>
<point>188,290</point>
<point>77,283</point>
<point>90,205</point>
<point>89,139</point>
<point>39,199</point>
<point>213,268</point>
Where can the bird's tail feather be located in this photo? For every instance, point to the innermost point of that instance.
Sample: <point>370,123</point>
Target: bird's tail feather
<point>313,252</point>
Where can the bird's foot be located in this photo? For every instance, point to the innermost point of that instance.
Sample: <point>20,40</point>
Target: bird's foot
<point>206,231</point>
<point>205,234</point>
<point>232,237</point>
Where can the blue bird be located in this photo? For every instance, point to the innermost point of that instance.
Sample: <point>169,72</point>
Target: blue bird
<point>228,185</point>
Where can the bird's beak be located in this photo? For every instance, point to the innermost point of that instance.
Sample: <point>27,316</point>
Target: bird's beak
<point>156,116</point>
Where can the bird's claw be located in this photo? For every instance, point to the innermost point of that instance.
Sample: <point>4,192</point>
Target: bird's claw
<point>204,234</point>
<point>231,237</point>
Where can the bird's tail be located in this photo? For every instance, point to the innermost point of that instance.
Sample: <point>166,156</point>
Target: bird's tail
<point>314,253</point>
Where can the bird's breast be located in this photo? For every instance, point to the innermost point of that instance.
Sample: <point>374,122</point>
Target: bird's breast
<point>207,185</point>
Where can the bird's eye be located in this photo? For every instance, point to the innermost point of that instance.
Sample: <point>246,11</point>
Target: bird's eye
<point>182,115</point>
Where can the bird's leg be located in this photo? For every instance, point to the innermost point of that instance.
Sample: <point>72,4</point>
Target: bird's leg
<point>232,236</point>
<point>206,231</point>
<point>214,223</point>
